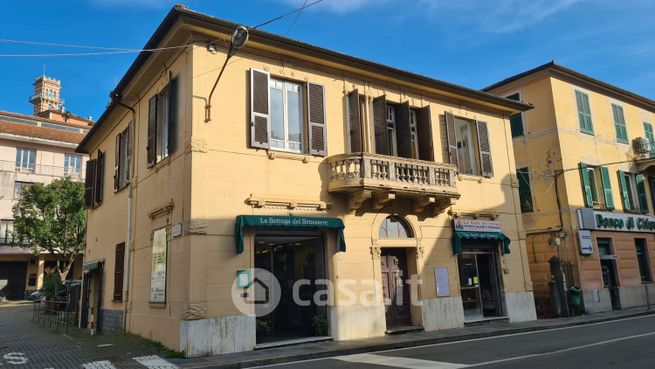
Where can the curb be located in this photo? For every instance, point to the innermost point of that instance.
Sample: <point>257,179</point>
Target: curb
<point>406,344</point>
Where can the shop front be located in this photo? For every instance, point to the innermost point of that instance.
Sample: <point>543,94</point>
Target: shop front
<point>479,245</point>
<point>290,268</point>
<point>616,253</point>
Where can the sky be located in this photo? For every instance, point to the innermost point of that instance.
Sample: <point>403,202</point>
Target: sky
<point>473,43</point>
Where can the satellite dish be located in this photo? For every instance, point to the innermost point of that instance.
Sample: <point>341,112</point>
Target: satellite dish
<point>239,38</point>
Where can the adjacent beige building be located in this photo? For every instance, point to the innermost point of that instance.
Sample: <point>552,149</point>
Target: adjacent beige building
<point>586,165</point>
<point>309,164</point>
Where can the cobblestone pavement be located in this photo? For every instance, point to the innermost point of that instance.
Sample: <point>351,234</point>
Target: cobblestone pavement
<point>26,345</point>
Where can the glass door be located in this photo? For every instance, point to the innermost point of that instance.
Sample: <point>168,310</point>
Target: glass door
<point>470,286</point>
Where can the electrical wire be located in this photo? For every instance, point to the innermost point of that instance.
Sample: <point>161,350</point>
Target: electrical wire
<point>115,52</point>
<point>72,46</point>
<point>286,14</point>
<point>295,19</point>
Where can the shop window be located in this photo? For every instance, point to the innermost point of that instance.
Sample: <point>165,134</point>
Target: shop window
<point>642,259</point>
<point>525,191</point>
<point>516,120</point>
<point>395,227</point>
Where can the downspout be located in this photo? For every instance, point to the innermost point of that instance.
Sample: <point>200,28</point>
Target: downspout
<point>128,239</point>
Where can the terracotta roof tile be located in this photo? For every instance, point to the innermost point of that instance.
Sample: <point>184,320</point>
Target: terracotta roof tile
<point>39,132</point>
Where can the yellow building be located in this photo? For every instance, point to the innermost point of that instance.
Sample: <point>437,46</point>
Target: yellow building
<point>586,164</point>
<point>342,178</point>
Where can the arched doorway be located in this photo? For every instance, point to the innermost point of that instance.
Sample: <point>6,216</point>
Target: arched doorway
<point>395,273</point>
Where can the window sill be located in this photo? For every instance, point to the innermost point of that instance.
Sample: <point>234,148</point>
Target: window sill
<point>622,142</point>
<point>591,133</point>
<point>122,188</point>
<point>161,163</point>
<point>158,305</point>
<point>117,301</point>
<point>471,177</point>
<point>274,154</point>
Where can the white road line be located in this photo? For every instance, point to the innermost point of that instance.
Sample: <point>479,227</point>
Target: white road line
<point>154,362</point>
<point>563,350</point>
<point>98,365</point>
<point>398,362</point>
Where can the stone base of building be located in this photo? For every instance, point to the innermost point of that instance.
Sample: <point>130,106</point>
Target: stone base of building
<point>357,321</point>
<point>442,313</point>
<point>111,320</point>
<point>597,301</point>
<point>219,335</point>
<point>520,306</point>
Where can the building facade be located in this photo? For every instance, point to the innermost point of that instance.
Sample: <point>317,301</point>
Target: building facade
<point>33,150</point>
<point>586,167</point>
<point>309,175</point>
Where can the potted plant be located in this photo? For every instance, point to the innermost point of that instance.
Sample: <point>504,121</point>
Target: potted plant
<point>320,325</point>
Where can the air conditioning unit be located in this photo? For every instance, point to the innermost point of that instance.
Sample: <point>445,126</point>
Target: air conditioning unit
<point>642,147</point>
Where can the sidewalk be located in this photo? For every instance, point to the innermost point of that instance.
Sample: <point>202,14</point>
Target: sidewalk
<point>334,348</point>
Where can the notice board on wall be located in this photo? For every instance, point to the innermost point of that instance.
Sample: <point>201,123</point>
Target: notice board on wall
<point>441,279</point>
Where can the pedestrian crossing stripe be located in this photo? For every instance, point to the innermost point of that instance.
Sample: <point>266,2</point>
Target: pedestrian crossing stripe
<point>398,362</point>
<point>154,362</point>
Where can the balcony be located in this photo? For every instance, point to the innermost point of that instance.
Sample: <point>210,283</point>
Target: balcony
<point>41,170</point>
<point>644,152</point>
<point>381,179</point>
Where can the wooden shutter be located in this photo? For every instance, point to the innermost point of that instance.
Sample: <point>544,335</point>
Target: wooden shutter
<point>607,188</point>
<point>316,113</point>
<point>119,266</point>
<point>354,121</point>
<point>173,93</point>
<point>452,139</point>
<point>625,194</point>
<point>652,190</point>
<point>640,182</point>
<point>152,131</point>
<point>424,134</point>
<point>128,153</point>
<point>484,147</point>
<point>586,185</point>
<point>117,162</point>
<point>100,174</point>
<point>380,125</point>
<point>260,119</point>
<point>403,130</point>
<point>89,183</point>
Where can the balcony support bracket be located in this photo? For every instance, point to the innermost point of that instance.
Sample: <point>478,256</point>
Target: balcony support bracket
<point>421,202</point>
<point>355,199</point>
<point>442,204</point>
<point>381,199</point>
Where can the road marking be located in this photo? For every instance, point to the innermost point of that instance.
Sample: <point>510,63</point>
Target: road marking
<point>398,362</point>
<point>563,350</point>
<point>15,358</point>
<point>104,364</point>
<point>106,345</point>
<point>154,362</point>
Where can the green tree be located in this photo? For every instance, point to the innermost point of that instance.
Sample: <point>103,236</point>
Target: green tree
<point>51,219</point>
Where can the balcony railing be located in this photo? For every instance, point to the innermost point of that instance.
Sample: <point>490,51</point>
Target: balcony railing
<point>381,178</point>
<point>644,151</point>
<point>40,169</point>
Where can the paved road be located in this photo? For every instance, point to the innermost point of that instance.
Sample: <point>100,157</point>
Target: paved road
<point>25,345</point>
<point>625,344</point>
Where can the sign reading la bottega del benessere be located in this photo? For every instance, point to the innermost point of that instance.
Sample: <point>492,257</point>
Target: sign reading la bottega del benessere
<point>477,225</point>
<point>622,222</point>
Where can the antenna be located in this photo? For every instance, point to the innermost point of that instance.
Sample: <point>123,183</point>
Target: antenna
<point>43,70</point>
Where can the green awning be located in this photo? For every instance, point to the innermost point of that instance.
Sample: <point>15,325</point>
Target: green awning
<point>91,266</point>
<point>269,221</point>
<point>458,236</point>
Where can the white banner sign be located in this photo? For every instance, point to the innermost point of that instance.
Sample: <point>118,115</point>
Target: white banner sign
<point>158,276</point>
<point>586,244</point>
<point>475,225</point>
<point>622,222</point>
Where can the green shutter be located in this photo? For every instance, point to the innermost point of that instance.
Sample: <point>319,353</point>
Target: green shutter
<point>648,130</point>
<point>516,123</point>
<point>641,193</point>
<point>607,188</point>
<point>625,194</point>
<point>586,186</point>
<point>525,193</point>
<point>619,124</point>
<point>652,191</point>
<point>584,112</point>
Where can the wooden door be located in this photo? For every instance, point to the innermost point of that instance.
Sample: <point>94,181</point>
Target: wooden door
<point>395,287</point>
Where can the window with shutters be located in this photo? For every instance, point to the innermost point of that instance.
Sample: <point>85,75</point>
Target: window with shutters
<point>643,260</point>
<point>619,124</point>
<point>286,115</point>
<point>94,181</point>
<point>413,129</point>
<point>162,122</point>
<point>122,160</point>
<point>467,147</point>
<point>391,130</point>
<point>516,120</point>
<point>633,192</point>
<point>650,136</point>
<point>584,112</point>
<point>287,123</point>
<point>119,263</point>
<point>596,187</point>
<point>525,190</point>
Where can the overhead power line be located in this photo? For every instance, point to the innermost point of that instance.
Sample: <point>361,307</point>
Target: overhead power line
<point>119,50</point>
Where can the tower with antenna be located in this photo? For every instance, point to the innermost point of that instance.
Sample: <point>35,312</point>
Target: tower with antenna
<point>47,95</point>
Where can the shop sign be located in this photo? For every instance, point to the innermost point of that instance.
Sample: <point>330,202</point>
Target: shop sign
<point>475,225</point>
<point>586,244</point>
<point>622,222</point>
<point>158,276</point>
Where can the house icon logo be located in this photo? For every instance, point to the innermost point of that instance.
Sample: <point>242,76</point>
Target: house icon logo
<point>255,292</point>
